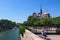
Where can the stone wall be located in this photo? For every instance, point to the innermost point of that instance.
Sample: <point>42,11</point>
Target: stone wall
<point>28,35</point>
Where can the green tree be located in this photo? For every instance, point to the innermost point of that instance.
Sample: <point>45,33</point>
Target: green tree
<point>56,21</point>
<point>6,24</point>
<point>22,29</point>
<point>31,20</point>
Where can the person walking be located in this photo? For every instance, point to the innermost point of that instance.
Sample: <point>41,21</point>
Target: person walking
<point>43,33</point>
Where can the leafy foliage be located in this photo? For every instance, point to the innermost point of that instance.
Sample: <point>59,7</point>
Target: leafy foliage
<point>33,21</point>
<point>6,24</point>
<point>22,29</point>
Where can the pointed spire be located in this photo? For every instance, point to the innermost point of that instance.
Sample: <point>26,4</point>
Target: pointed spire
<point>40,9</point>
<point>40,12</point>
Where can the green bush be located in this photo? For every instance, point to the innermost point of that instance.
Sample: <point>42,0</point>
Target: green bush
<point>22,29</point>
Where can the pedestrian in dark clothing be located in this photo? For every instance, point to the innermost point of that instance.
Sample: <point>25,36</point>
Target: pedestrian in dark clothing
<point>44,34</point>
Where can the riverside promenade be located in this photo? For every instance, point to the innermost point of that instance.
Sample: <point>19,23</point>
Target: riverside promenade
<point>54,37</point>
<point>28,35</point>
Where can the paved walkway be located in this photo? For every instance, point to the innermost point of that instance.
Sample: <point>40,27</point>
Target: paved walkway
<point>30,36</point>
<point>54,37</point>
<point>23,38</point>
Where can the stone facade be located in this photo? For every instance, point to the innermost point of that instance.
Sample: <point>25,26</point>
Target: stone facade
<point>41,14</point>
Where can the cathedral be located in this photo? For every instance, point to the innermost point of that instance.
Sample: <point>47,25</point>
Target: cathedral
<point>41,14</point>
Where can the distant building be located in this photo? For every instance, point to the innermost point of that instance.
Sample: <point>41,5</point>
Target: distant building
<point>18,24</point>
<point>41,14</point>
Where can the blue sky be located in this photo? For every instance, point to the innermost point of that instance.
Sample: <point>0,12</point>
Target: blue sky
<point>19,10</point>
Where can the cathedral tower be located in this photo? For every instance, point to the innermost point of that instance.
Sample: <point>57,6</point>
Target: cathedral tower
<point>40,13</point>
<point>34,14</point>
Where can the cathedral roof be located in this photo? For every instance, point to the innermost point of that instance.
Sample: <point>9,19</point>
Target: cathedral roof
<point>46,12</point>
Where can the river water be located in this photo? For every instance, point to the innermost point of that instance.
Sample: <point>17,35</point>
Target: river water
<point>10,34</point>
